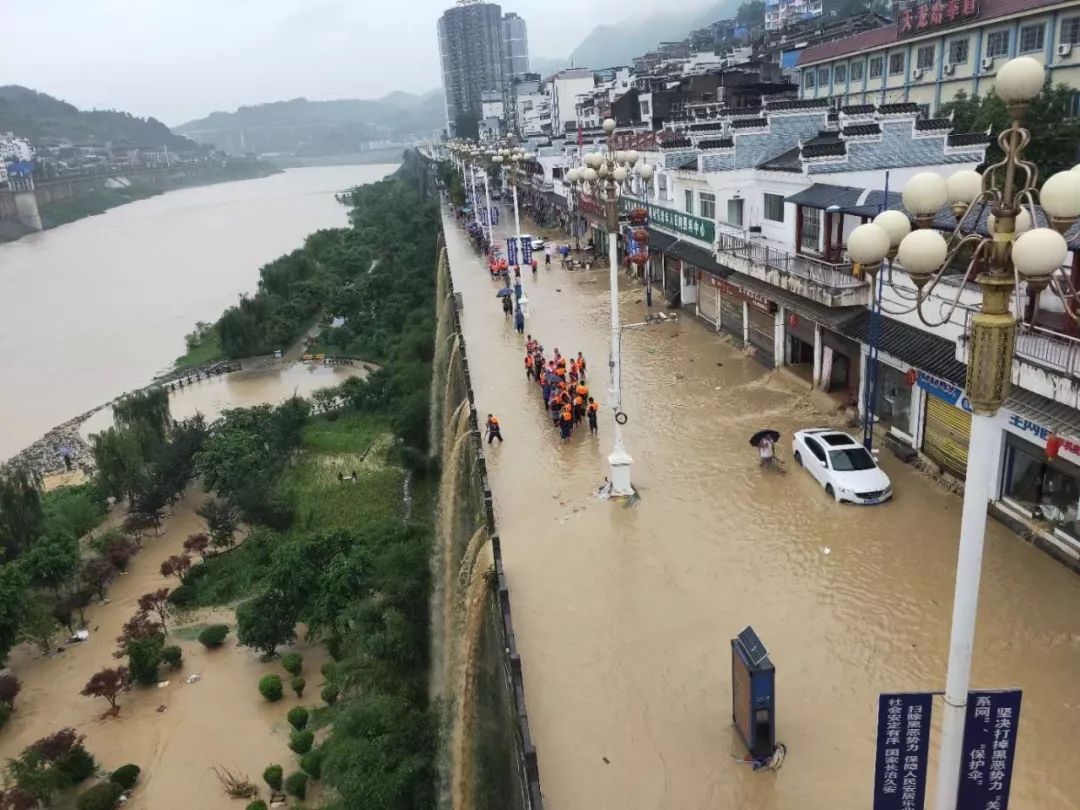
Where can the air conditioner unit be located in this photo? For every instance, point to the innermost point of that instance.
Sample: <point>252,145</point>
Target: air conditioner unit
<point>1064,49</point>
<point>948,69</point>
<point>987,63</point>
<point>917,73</point>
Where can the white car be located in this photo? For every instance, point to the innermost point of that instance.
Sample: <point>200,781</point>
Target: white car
<point>841,465</point>
<point>537,243</point>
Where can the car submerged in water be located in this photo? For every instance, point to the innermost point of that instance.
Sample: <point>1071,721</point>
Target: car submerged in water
<point>847,471</point>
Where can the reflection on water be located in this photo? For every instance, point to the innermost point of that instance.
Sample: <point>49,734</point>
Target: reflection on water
<point>623,615</point>
<point>101,305</point>
<point>241,389</point>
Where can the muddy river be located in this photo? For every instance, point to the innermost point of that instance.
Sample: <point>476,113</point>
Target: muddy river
<point>624,615</point>
<point>99,306</point>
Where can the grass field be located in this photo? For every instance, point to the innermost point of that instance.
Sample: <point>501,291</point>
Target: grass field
<point>206,351</point>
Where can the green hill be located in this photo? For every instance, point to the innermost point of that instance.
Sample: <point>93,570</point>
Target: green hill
<point>34,115</point>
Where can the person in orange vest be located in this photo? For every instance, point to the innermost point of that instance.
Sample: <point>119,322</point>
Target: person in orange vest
<point>582,391</point>
<point>566,423</point>
<point>579,409</point>
<point>555,406</point>
<point>581,365</point>
<point>591,410</point>
<point>529,365</point>
<point>493,431</point>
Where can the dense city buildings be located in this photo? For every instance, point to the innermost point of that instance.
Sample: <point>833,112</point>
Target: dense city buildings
<point>781,13</point>
<point>515,47</point>
<point>471,50</point>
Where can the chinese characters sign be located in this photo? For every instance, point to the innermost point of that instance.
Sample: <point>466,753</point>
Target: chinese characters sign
<point>989,747</point>
<point>943,389</point>
<point>512,250</point>
<point>526,250</point>
<point>903,743</point>
<point>669,220</point>
<point>925,17</point>
<point>751,297</point>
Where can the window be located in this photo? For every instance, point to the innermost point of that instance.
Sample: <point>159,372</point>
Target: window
<point>997,44</point>
<point>815,448</point>
<point>958,52</point>
<point>662,184</point>
<point>774,207</point>
<point>896,64</point>
<point>924,111</point>
<point>811,229</point>
<point>707,205</point>
<point>645,108</point>
<point>1070,31</point>
<point>1032,38</point>
<point>808,79</point>
<point>1074,107</point>
<point>689,197</point>
<point>734,212</point>
<point>1048,489</point>
<point>924,57</point>
<point>840,74</point>
<point>893,402</point>
<point>823,77</point>
<point>875,67</point>
<point>851,459</point>
<point>856,71</point>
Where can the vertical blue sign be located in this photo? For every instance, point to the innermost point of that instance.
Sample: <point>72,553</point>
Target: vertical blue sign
<point>903,744</point>
<point>512,250</point>
<point>526,250</point>
<point>993,719</point>
<point>494,215</point>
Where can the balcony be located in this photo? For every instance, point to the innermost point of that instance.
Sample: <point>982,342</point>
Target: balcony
<point>824,282</point>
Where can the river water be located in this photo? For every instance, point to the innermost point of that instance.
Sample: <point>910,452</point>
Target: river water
<point>623,615</point>
<point>97,307</point>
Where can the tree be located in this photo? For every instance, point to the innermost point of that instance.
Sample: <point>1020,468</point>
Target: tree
<point>148,409</point>
<point>198,544</point>
<point>12,606</point>
<point>38,625</point>
<point>177,565</point>
<point>266,621</point>
<point>22,514</point>
<point>51,561</point>
<point>9,688</point>
<point>108,684</point>
<point>751,13</point>
<point>97,573</point>
<point>222,520</point>
<point>120,550</point>
<point>157,602</point>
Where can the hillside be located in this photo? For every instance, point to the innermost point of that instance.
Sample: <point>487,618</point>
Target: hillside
<point>612,45</point>
<point>304,127</point>
<point>35,115</point>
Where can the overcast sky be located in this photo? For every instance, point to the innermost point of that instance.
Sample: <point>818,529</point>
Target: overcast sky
<point>181,60</point>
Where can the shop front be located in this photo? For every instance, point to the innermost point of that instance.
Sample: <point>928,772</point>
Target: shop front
<point>840,360</point>
<point>673,269</point>
<point>799,345</point>
<point>946,424</point>
<point>731,310</point>
<point>708,303</point>
<point>894,402</point>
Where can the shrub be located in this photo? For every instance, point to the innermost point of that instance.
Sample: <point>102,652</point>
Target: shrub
<point>270,687</point>
<point>126,776</point>
<point>9,689</point>
<point>298,717</point>
<point>296,784</point>
<point>214,635</point>
<point>311,762</point>
<point>273,776</point>
<point>173,656</point>
<point>100,797</point>
<point>298,685</point>
<point>144,655</point>
<point>330,694</point>
<point>293,663</point>
<point>301,741</point>
<point>77,765</point>
<point>5,714</point>
<point>330,671</point>
<point>182,595</point>
<point>258,804</point>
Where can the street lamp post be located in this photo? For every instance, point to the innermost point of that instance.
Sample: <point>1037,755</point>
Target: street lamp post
<point>1014,252</point>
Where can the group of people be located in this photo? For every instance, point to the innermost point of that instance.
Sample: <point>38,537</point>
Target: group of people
<point>563,387</point>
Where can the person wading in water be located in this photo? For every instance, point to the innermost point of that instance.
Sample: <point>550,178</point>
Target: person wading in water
<point>493,431</point>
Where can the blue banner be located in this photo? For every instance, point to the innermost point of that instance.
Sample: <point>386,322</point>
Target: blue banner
<point>993,719</point>
<point>632,247</point>
<point>512,251</point>
<point>526,250</point>
<point>903,744</point>
<point>494,215</point>
<point>484,216</point>
<point>943,389</point>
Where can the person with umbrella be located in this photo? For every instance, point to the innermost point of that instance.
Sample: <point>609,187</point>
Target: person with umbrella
<point>765,442</point>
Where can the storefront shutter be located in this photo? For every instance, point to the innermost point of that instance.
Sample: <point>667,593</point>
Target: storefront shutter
<point>761,331</point>
<point>731,311</point>
<point>708,303</point>
<point>946,437</point>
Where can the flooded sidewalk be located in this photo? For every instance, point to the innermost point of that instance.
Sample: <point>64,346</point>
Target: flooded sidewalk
<point>624,614</point>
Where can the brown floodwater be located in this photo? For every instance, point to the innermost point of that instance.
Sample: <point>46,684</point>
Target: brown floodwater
<point>99,306</point>
<point>623,615</point>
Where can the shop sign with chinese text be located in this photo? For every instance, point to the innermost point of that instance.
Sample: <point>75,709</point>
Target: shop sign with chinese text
<point>903,746</point>
<point>945,390</point>
<point>671,220</point>
<point>754,299</point>
<point>993,719</point>
<point>592,209</point>
<point>923,18</point>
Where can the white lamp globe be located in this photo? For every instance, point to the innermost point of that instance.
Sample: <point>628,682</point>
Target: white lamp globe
<point>646,172</point>
<point>1019,79</point>
<point>632,157</point>
<point>498,159</point>
<point>1021,224</point>
<point>1076,168</point>
<point>925,193</point>
<point>590,175</point>
<point>1060,195</point>
<point>922,252</point>
<point>620,174</point>
<point>895,224</point>
<point>609,125</point>
<point>868,244</point>
<point>1039,252</point>
<point>964,186</point>
<point>620,157</point>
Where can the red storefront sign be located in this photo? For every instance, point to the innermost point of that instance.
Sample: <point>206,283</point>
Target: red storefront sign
<point>592,209</point>
<point>754,299</point>
<point>926,17</point>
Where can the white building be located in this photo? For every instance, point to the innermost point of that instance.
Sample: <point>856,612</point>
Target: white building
<point>781,13</point>
<point>564,88</point>
<point>14,149</point>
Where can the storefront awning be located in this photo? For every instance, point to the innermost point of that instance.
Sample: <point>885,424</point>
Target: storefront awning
<point>829,317</point>
<point>821,195</point>
<point>915,347</point>
<point>690,253</point>
<point>1059,418</point>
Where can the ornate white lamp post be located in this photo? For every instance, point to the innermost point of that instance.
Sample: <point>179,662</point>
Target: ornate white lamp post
<point>1014,252</point>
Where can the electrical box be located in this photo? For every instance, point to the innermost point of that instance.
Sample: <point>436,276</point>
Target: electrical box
<point>753,694</point>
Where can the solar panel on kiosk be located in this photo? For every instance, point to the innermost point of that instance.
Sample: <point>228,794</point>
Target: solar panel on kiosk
<point>752,646</point>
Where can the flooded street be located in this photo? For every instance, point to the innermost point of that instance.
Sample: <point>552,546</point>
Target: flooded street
<point>624,615</point>
<point>97,307</point>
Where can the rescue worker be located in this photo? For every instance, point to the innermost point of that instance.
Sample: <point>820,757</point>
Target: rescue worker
<point>566,423</point>
<point>579,409</point>
<point>529,365</point>
<point>582,391</point>
<point>555,406</point>
<point>591,410</point>
<point>581,365</point>
<point>508,307</point>
<point>493,431</point>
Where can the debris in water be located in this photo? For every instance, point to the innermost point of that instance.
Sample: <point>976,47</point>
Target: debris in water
<point>826,550</point>
<point>163,684</point>
<point>606,760</point>
<point>194,678</point>
<point>160,708</point>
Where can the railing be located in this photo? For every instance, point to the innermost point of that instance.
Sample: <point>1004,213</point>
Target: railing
<point>827,274</point>
<point>1042,347</point>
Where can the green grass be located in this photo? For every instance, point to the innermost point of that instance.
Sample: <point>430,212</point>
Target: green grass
<point>348,432</point>
<point>206,351</point>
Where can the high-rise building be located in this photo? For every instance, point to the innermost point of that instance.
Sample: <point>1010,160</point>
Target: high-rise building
<point>515,47</point>
<point>471,49</point>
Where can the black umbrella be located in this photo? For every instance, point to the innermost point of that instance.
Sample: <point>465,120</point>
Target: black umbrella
<point>773,435</point>
<point>505,292</point>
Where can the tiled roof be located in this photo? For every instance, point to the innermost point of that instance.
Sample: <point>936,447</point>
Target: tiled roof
<point>735,111</point>
<point>933,123</point>
<point>886,34</point>
<point>858,109</point>
<point>689,164</point>
<point>711,126</point>
<point>676,143</point>
<point>747,123</point>
<point>822,195</point>
<point>968,138</point>
<point>716,143</point>
<point>697,256</point>
<point>1059,418</point>
<point>855,130</point>
<point>824,149</point>
<point>915,347</point>
<point>796,104</point>
<point>898,108</point>
<point>789,161</point>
